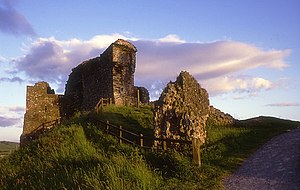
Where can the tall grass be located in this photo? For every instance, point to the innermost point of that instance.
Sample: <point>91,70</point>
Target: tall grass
<point>132,118</point>
<point>64,158</point>
<point>77,155</point>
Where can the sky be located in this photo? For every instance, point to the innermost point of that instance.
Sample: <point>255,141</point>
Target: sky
<point>246,54</point>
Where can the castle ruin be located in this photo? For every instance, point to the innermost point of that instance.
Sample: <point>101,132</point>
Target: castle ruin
<point>180,113</point>
<point>111,75</point>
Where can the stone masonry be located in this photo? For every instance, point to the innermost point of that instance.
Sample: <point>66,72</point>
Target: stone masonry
<point>109,76</point>
<point>182,110</point>
<point>219,118</point>
<point>42,106</point>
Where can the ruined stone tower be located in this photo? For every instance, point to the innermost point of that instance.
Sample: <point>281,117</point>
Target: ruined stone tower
<point>42,106</point>
<point>109,76</point>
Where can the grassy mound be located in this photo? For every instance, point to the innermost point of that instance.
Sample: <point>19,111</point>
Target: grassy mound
<point>64,158</point>
<point>78,155</point>
<point>7,147</point>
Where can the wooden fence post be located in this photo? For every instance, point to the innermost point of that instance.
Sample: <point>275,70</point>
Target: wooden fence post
<point>196,151</point>
<point>141,140</point>
<point>164,144</point>
<point>138,98</point>
<point>107,126</point>
<point>120,134</point>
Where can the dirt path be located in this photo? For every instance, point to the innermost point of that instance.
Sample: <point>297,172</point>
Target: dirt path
<point>276,166</point>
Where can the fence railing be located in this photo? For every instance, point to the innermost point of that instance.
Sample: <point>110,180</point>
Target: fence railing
<point>124,135</point>
<point>150,141</point>
<point>141,140</point>
<point>42,128</point>
<point>103,102</point>
<point>47,125</point>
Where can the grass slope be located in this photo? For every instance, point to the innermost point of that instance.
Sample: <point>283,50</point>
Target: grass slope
<point>77,155</point>
<point>7,147</point>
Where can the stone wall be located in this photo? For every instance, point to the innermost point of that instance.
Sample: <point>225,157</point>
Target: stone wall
<point>42,106</point>
<point>124,61</point>
<point>219,118</point>
<point>88,82</point>
<point>144,94</point>
<point>182,110</point>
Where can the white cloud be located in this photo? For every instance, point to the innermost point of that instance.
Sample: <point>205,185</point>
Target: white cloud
<point>11,122</point>
<point>10,134</point>
<point>260,83</point>
<point>13,79</point>
<point>11,116</point>
<point>240,84</point>
<point>52,60</point>
<point>171,38</point>
<point>205,60</point>
<point>2,59</point>
<point>284,104</point>
<point>12,21</point>
<point>215,64</point>
<point>6,122</point>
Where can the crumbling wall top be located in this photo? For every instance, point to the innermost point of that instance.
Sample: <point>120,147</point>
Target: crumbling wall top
<point>126,44</point>
<point>43,86</point>
<point>219,118</point>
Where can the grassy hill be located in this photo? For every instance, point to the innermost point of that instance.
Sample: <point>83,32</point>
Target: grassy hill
<point>79,155</point>
<point>7,147</point>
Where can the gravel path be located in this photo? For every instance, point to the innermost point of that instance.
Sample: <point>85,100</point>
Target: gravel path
<point>276,166</point>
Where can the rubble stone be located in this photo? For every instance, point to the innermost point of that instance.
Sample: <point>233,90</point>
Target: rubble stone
<point>144,94</point>
<point>182,110</point>
<point>219,118</point>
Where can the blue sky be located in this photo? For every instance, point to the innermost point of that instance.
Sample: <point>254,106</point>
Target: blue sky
<point>245,53</point>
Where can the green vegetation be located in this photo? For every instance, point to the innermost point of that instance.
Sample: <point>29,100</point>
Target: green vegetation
<point>7,147</point>
<point>78,155</point>
<point>65,158</point>
<point>138,120</point>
